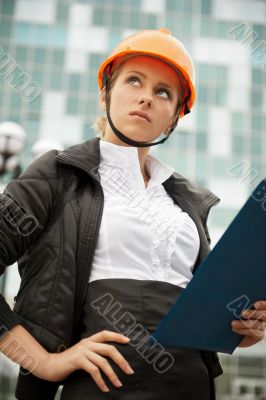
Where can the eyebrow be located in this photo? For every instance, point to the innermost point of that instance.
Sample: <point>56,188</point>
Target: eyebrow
<point>159,83</point>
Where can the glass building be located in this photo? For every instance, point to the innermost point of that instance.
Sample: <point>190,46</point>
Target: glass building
<point>49,55</point>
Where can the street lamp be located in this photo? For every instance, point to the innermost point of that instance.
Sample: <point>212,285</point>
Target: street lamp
<point>12,140</point>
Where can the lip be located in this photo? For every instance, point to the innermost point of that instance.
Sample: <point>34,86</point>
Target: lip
<point>141,114</point>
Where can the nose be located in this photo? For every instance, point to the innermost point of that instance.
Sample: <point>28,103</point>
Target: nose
<point>145,100</point>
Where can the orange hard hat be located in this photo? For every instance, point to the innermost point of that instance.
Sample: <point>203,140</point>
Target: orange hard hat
<point>160,44</point>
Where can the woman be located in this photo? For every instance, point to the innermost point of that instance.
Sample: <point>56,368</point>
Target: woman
<point>106,237</point>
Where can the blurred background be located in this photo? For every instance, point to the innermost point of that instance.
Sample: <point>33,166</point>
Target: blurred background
<point>49,55</point>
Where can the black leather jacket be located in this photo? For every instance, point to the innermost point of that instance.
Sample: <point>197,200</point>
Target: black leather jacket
<point>50,220</point>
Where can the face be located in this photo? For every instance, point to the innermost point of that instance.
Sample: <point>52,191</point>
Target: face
<point>143,99</point>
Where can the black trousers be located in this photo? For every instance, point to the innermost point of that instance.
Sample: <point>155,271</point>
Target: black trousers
<point>134,308</point>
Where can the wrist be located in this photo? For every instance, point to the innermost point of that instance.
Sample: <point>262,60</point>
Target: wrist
<point>56,367</point>
<point>43,366</point>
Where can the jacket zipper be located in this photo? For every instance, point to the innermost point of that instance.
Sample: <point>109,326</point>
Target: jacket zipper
<point>92,253</point>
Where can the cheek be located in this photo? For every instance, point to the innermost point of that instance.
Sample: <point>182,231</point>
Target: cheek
<point>167,112</point>
<point>119,109</point>
<point>121,102</point>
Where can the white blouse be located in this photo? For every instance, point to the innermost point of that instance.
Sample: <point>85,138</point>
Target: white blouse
<point>143,234</point>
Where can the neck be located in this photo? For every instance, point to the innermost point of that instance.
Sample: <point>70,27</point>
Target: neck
<point>142,152</point>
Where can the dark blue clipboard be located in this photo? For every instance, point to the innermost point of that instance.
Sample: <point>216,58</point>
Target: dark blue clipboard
<point>230,279</point>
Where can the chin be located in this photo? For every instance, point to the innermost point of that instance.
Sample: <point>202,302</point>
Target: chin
<point>138,137</point>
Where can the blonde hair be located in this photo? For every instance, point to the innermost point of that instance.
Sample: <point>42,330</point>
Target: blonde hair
<point>99,126</point>
<point>100,123</point>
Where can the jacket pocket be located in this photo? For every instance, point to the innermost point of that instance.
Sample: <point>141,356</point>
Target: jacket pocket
<point>34,267</point>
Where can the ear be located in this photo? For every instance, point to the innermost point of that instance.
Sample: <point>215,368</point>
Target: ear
<point>102,98</point>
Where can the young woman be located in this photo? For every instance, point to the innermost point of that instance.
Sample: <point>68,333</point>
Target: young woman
<point>106,237</point>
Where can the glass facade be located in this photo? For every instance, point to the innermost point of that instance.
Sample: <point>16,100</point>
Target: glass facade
<point>58,45</point>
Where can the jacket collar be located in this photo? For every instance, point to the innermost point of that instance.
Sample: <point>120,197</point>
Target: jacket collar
<point>85,156</point>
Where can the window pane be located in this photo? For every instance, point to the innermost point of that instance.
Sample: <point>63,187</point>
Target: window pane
<point>98,17</point>
<point>238,144</point>
<point>206,6</point>
<point>74,82</point>
<point>58,57</point>
<point>72,105</point>
<point>221,73</point>
<point>134,20</point>
<point>95,60</point>
<point>207,27</point>
<point>203,93</point>
<point>56,80</point>
<point>8,7</point>
<point>117,18</point>
<point>201,141</point>
<point>256,147</point>
<point>39,55</point>
<point>220,96</point>
<point>21,53</point>
<point>257,122</point>
<point>258,76</point>
<point>5,29</point>
<point>202,117</point>
<point>150,21</point>
<point>62,12</point>
<point>256,98</point>
<point>238,121</point>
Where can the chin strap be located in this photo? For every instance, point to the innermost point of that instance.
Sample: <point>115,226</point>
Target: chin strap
<point>124,138</point>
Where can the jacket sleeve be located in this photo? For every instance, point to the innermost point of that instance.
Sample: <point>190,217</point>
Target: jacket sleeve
<point>25,206</point>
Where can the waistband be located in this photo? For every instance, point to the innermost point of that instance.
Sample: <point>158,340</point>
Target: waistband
<point>118,304</point>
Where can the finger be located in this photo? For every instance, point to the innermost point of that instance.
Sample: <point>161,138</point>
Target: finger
<point>254,314</point>
<point>260,305</point>
<point>108,336</point>
<point>247,332</point>
<point>94,371</point>
<point>249,324</point>
<point>252,328</point>
<point>114,354</point>
<point>104,366</point>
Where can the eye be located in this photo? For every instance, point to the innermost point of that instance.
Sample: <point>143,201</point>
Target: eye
<point>164,93</point>
<point>133,80</point>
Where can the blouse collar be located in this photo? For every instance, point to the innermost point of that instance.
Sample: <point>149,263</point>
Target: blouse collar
<point>126,157</point>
